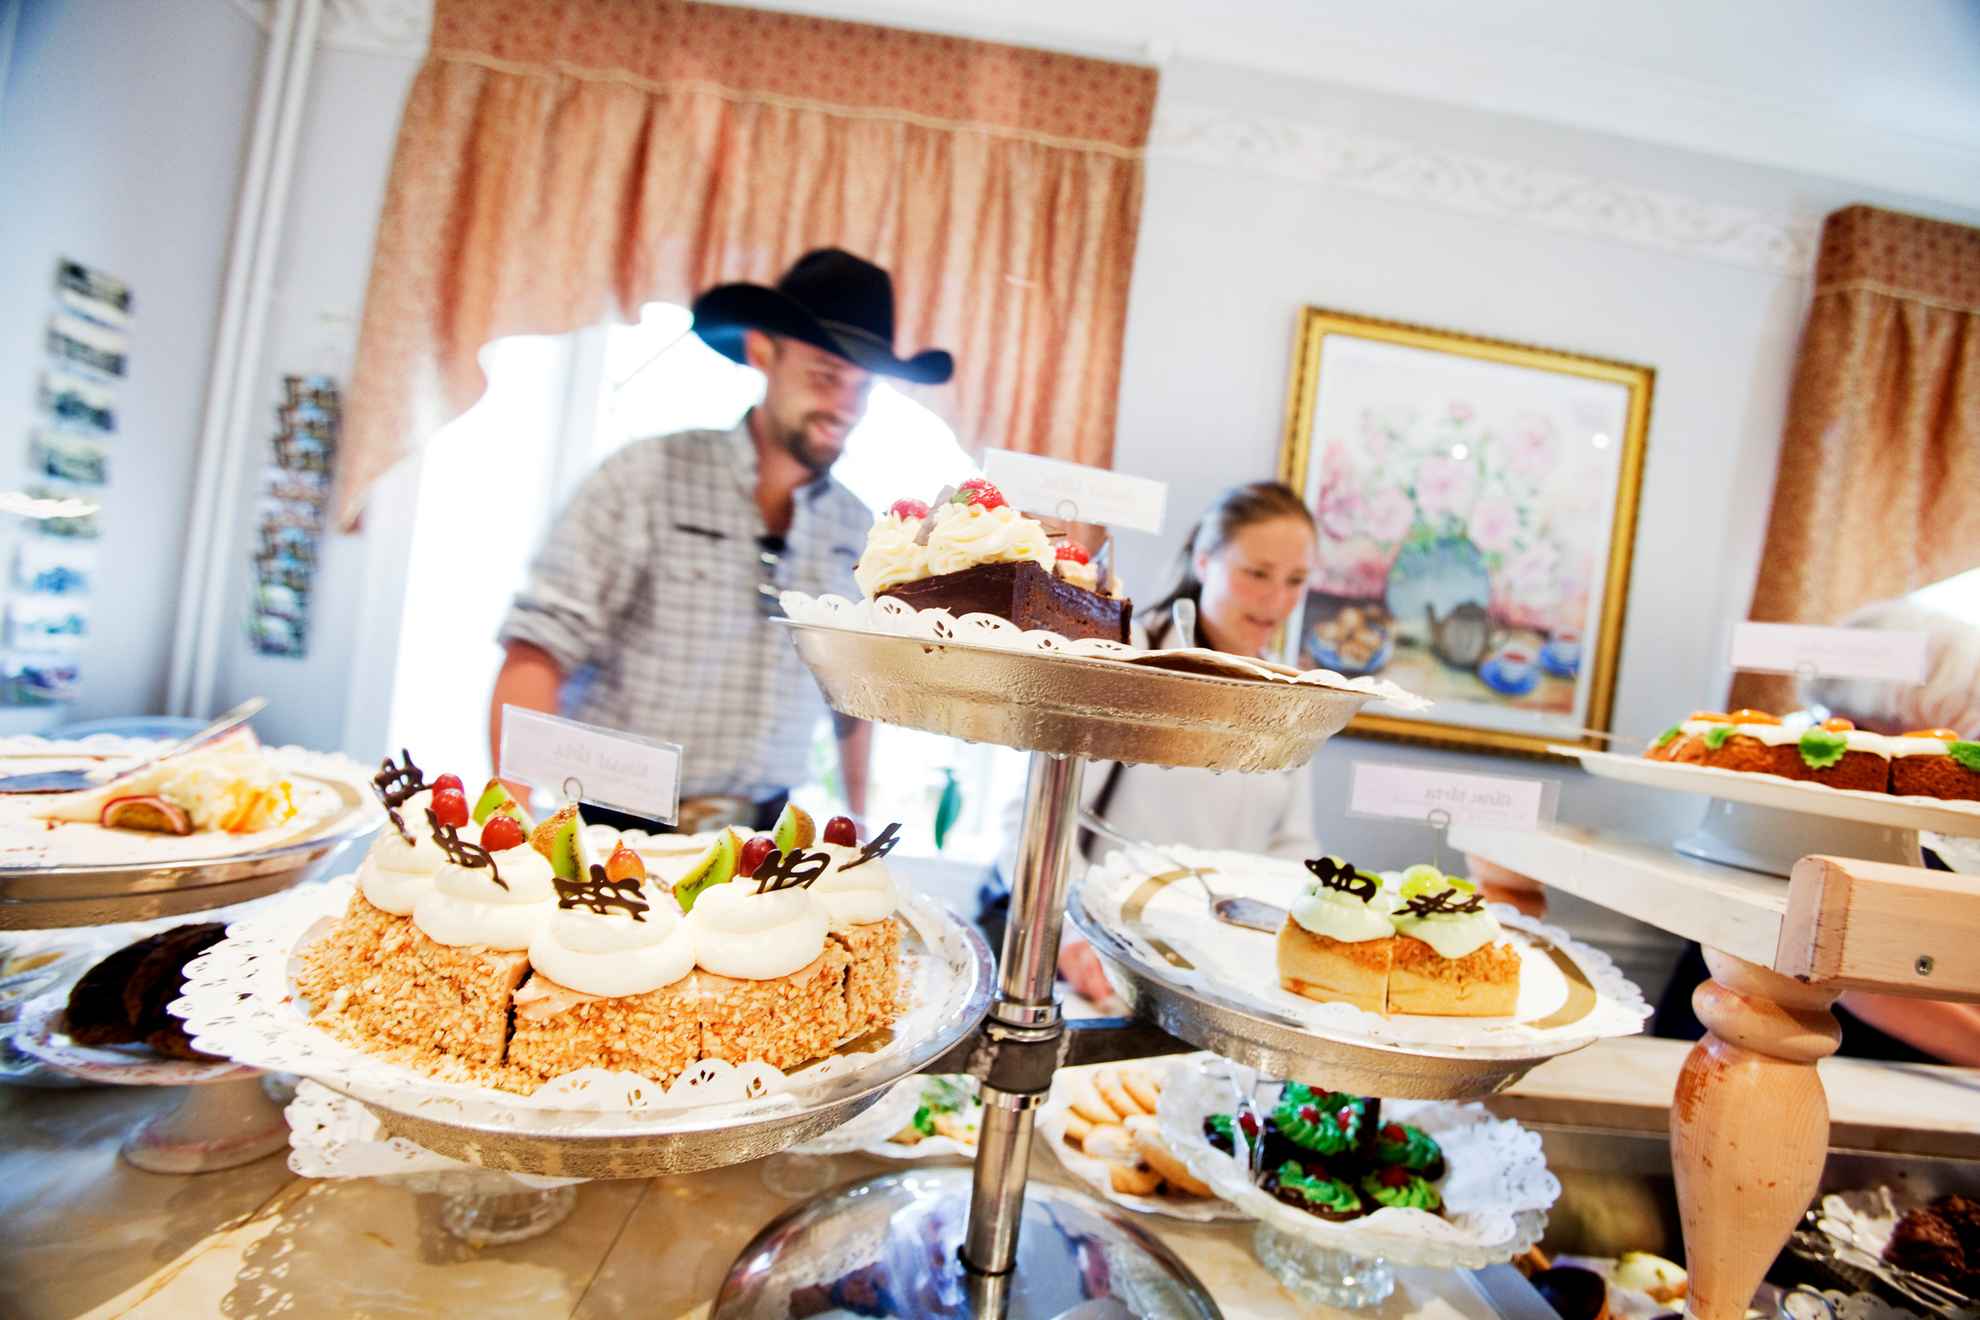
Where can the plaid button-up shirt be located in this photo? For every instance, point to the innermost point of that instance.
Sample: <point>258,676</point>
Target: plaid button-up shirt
<point>645,592</point>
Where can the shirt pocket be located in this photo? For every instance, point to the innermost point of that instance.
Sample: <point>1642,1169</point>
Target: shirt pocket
<point>707,556</point>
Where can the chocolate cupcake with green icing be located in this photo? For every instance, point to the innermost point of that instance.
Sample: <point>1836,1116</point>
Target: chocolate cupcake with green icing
<point>1401,1189</point>
<point>1331,1123</point>
<point>1411,1148</point>
<point>1311,1189</point>
<point>1221,1131</point>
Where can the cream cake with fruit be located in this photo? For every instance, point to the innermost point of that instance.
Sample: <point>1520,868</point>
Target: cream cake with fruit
<point>972,553</point>
<point>482,948</point>
<point>1430,950</point>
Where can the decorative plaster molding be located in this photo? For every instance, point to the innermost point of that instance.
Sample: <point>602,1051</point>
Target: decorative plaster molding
<point>383,27</point>
<point>1484,185</point>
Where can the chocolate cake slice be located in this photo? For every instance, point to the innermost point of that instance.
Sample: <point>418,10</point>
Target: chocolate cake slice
<point>1025,594</point>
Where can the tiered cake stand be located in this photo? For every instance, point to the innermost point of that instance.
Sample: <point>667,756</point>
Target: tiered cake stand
<point>1786,929</point>
<point>952,1242</point>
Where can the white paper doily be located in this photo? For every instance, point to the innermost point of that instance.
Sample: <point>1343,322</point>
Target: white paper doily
<point>333,1136</point>
<point>1196,1209</point>
<point>1240,964</point>
<point>26,841</point>
<point>1496,1192</point>
<point>889,615</point>
<point>871,1133</point>
<point>239,1001</point>
<point>41,1034</point>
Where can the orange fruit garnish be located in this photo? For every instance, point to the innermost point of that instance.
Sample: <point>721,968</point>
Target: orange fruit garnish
<point>1711,717</point>
<point>1837,724</point>
<point>1943,735</point>
<point>1754,717</point>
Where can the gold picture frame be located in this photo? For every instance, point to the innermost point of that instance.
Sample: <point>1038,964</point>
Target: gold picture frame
<point>1477,503</point>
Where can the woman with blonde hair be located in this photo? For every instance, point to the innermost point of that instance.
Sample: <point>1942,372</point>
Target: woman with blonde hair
<point>1244,569</point>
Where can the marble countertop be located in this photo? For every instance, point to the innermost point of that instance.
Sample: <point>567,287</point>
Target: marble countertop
<point>87,1235</point>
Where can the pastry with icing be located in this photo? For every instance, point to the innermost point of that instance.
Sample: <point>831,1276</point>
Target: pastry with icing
<point>861,897</point>
<point>1935,763</point>
<point>1410,1148</point>
<point>1451,956</point>
<point>1314,1189</point>
<point>1401,1189</point>
<point>972,553</point>
<point>1337,942</point>
<point>1330,1154</point>
<point>1331,1124</point>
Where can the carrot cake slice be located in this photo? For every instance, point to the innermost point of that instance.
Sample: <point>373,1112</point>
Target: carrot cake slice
<point>1337,943</point>
<point>1935,763</point>
<point>1451,959</point>
<point>612,982</point>
<point>1837,753</point>
<point>1755,742</point>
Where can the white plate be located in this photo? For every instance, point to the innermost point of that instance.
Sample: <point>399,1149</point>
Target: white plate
<point>1570,994</point>
<point>1497,1189</point>
<point>1052,1127</point>
<point>1904,813</point>
<point>333,796</point>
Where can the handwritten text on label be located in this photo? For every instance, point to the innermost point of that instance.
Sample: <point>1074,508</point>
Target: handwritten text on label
<point>619,770</point>
<point>1406,793</point>
<point>1790,648</point>
<point>1057,489</point>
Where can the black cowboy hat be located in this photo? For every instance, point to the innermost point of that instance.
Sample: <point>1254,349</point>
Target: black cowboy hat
<point>830,300</point>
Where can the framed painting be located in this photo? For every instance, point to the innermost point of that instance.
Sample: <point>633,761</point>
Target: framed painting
<point>1476,505</point>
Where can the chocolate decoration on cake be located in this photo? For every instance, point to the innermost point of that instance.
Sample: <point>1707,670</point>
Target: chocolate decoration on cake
<point>1444,904</point>
<point>471,856</point>
<point>795,869</point>
<point>877,849</point>
<point>1024,593</point>
<point>1343,877</point>
<point>600,894</point>
<point>396,785</point>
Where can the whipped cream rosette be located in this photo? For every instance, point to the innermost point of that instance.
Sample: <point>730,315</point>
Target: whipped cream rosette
<point>615,951</point>
<point>398,870</point>
<point>856,889</point>
<point>757,937</point>
<point>497,904</point>
<point>970,534</point>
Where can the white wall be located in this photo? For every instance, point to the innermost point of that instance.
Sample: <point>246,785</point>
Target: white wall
<point>129,162</point>
<point>344,154</point>
<point>1229,253</point>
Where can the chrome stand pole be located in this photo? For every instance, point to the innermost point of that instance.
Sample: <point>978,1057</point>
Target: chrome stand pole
<point>1024,1009</point>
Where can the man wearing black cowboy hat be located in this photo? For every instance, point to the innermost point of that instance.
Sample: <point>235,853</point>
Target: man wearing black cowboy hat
<point>648,608</point>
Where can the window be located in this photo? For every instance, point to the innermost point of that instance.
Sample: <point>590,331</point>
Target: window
<point>556,407</point>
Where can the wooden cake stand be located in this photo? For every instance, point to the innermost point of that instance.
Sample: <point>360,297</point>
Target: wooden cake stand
<point>1750,1120</point>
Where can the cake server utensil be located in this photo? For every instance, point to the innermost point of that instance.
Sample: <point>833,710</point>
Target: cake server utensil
<point>1183,615</point>
<point>1250,913</point>
<point>72,781</point>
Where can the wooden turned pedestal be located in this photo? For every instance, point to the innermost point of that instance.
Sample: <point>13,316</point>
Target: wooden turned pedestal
<point>1749,1127</point>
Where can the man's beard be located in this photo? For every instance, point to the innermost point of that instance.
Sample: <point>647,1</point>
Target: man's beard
<point>816,459</point>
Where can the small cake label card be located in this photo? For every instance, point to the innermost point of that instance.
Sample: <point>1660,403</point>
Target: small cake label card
<point>1076,493</point>
<point>1448,797</point>
<point>611,768</point>
<point>1793,648</point>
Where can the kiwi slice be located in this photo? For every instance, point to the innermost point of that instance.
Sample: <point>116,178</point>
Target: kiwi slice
<point>496,800</point>
<point>717,866</point>
<point>794,829</point>
<point>557,839</point>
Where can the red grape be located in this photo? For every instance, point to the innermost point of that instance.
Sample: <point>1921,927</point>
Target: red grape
<point>501,833</point>
<point>754,850</point>
<point>445,782</point>
<point>450,807</point>
<point>841,831</point>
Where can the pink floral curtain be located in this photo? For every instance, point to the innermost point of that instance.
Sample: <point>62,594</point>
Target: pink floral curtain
<point>560,164</point>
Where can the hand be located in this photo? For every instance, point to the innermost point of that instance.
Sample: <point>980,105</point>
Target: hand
<point>1522,892</point>
<point>1080,966</point>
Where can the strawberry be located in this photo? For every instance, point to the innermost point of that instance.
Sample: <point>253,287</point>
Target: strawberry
<point>979,491</point>
<point>501,833</point>
<point>1074,551</point>
<point>908,509</point>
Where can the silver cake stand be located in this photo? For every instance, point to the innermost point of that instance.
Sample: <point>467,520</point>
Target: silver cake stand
<point>925,1242</point>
